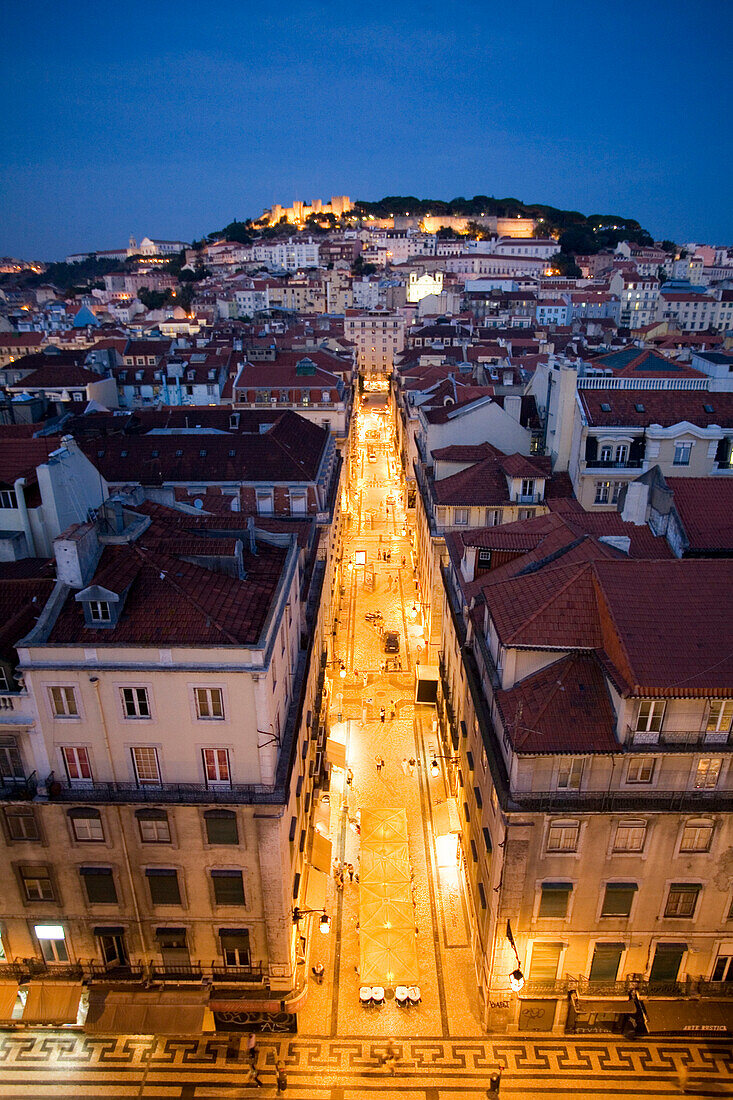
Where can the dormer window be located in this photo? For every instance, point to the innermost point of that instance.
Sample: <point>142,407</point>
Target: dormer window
<point>99,611</point>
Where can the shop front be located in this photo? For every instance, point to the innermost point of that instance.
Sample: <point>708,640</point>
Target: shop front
<point>688,1016</point>
<point>587,1014</point>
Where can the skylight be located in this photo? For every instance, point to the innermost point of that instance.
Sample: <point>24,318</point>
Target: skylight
<point>605,407</point>
<point>639,408</point>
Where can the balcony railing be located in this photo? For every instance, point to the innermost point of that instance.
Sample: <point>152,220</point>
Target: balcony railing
<point>612,464</point>
<point>92,971</point>
<point>677,738</point>
<point>237,793</point>
<point>19,788</point>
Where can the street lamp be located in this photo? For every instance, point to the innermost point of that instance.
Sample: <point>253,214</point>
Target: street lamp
<point>324,924</point>
<point>516,978</point>
<point>434,767</point>
<point>342,671</point>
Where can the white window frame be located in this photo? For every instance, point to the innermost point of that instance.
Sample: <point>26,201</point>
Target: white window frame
<point>688,893</point>
<point>696,827</point>
<point>650,716</point>
<point>265,500</point>
<point>635,769</point>
<point>133,702</point>
<point>458,514</point>
<point>89,838</point>
<point>204,699</point>
<point>75,759</point>
<point>684,448</point>
<point>61,698</point>
<point>567,769</point>
<point>705,769</point>
<point>565,828</point>
<point>720,716</point>
<point>217,767</point>
<point>146,781</point>
<point>633,828</point>
<point>100,611</point>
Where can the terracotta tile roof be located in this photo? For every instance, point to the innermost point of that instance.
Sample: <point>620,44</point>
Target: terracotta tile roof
<point>20,339</point>
<point>55,377</point>
<point>173,602</point>
<point>663,407</point>
<point>553,607</point>
<point>448,412</point>
<point>705,507</point>
<point>466,452</point>
<point>291,451</point>
<point>20,457</point>
<point>482,483</point>
<point>517,465</point>
<point>564,707</point>
<point>22,598</point>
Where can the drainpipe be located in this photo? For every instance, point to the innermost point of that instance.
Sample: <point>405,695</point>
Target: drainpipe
<point>25,519</point>
<point>95,681</point>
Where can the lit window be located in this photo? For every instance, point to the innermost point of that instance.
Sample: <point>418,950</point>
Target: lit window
<point>707,773</point>
<point>720,716</point>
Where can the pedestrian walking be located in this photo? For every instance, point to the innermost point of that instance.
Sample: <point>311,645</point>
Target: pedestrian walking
<point>340,881</point>
<point>392,710</point>
<point>378,760</point>
<point>253,1077</point>
<point>282,1081</point>
<point>335,870</point>
<point>379,555</point>
<point>350,869</point>
<point>403,559</point>
<point>318,972</point>
<point>349,777</point>
<point>252,1047</point>
<point>381,715</point>
<point>404,765</point>
<point>389,1057</point>
<point>411,766</point>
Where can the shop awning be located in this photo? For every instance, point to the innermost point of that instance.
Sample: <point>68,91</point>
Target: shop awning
<point>336,745</point>
<point>8,997</point>
<point>445,818</point>
<point>321,853</point>
<point>677,1016</point>
<point>315,894</point>
<point>136,1012</point>
<point>52,1003</point>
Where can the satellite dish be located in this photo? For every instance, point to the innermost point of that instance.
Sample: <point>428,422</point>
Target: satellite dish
<point>198,503</point>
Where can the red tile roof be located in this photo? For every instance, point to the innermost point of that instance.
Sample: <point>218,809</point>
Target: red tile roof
<point>705,507</point>
<point>20,457</point>
<point>663,407</point>
<point>564,707</point>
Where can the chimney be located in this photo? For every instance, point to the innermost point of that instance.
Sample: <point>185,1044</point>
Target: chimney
<point>251,533</point>
<point>513,406</point>
<point>636,504</point>
<point>77,551</point>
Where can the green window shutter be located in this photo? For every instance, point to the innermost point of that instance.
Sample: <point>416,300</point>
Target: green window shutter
<point>545,961</point>
<point>99,884</point>
<point>554,899</point>
<point>618,899</point>
<point>606,961</point>
<point>163,883</point>
<point>221,827</point>
<point>228,887</point>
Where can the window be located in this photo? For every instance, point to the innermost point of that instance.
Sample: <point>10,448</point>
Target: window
<point>723,969</point>
<point>37,883</point>
<point>630,836</point>
<point>216,766</point>
<point>682,899</point>
<point>86,824</point>
<point>76,763</point>
<point>460,517</point>
<point>154,826</point>
<point>640,769</point>
<point>299,501</point>
<point>209,702</point>
<point>707,773</point>
<point>554,899</point>
<point>235,946</point>
<point>228,887</point>
<point>135,702</point>
<point>605,962</point>
<point>545,962</point>
<point>99,885</point>
<point>720,716</point>
<point>8,498</point>
<point>649,717</point>
<point>696,836</point>
<point>603,491</point>
<point>11,765</point>
<point>99,611</point>
<point>570,773</point>
<point>618,899</point>
<point>265,505</point>
<point>221,827</point>
<point>562,836</point>
<point>527,489</point>
<point>63,702</point>
<point>163,884</point>
<point>52,942</point>
<point>21,823</point>
<point>145,763</point>
<point>682,453</point>
<point>622,453</point>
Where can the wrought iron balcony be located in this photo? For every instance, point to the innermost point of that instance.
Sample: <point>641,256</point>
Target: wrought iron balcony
<point>677,738</point>
<point>181,793</point>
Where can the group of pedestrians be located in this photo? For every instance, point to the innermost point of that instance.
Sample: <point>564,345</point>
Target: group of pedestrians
<point>343,871</point>
<point>253,1076</point>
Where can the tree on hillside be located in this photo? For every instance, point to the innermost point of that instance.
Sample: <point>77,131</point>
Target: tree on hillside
<point>565,265</point>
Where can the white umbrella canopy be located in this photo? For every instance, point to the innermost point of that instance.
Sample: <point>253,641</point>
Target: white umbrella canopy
<point>390,865</point>
<point>378,826</point>
<point>381,891</point>
<point>386,913</point>
<point>389,957</point>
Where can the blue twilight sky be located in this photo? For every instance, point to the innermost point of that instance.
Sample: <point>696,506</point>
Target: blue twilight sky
<point>170,119</point>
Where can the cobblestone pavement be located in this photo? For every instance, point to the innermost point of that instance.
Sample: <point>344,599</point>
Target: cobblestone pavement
<point>45,1064</point>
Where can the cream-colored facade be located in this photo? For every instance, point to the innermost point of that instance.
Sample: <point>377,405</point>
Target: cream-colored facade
<point>611,868</point>
<point>165,824</point>
<point>378,337</point>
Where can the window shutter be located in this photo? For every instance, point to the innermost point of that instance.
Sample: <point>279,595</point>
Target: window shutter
<point>606,961</point>
<point>163,882</point>
<point>554,899</point>
<point>228,887</point>
<point>545,960</point>
<point>99,884</point>
<point>221,827</point>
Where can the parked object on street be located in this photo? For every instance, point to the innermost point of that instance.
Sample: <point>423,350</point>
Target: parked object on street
<point>391,641</point>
